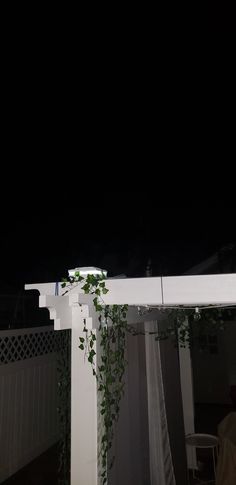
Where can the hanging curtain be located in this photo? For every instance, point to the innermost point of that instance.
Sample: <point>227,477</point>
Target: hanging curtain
<point>141,445</point>
<point>161,465</point>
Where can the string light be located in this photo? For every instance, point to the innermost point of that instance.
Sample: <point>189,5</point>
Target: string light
<point>197,314</point>
<point>187,307</point>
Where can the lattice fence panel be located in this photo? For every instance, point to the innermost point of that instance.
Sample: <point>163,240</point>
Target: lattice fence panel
<point>20,347</point>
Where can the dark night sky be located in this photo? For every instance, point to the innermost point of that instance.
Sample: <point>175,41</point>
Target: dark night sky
<point>119,231</point>
<point>48,226</point>
<point>115,171</point>
<point>221,15</point>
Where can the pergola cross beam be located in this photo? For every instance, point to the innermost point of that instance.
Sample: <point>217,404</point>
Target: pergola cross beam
<point>69,312</point>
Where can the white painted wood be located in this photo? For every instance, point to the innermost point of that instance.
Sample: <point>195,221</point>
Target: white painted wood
<point>84,463</point>
<point>170,290</point>
<point>199,290</point>
<point>28,407</point>
<point>46,288</point>
<point>130,444</point>
<point>59,310</point>
<point>69,312</point>
<point>136,291</point>
<point>186,381</point>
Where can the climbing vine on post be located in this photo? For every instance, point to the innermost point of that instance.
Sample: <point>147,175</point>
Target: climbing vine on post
<point>110,371</point>
<point>63,347</point>
<point>184,329</point>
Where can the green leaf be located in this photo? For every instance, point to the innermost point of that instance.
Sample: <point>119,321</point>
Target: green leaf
<point>82,339</point>
<point>81,347</point>
<point>86,288</point>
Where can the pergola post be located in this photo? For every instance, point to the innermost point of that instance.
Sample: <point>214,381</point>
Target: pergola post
<point>69,312</point>
<point>83,406</point>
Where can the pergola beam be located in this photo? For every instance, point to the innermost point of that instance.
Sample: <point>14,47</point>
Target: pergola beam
<point>167,290</point>
<point>69,312</point>
<point>200,289</point>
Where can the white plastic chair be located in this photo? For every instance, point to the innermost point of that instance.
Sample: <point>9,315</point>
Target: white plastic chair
<point>201,440</point>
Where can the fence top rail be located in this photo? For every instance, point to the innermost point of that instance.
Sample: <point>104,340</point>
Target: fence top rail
<point>25,331</point>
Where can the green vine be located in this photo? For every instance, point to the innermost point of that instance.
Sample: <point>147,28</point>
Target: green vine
<point>185,328</point>
<point>110,371</point>
<point>64,404</point>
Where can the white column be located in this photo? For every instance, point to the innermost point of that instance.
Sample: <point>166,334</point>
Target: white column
<point>186,382</point>
<point>83,407</point>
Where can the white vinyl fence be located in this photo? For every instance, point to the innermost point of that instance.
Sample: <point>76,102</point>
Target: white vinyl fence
<point>72,310</point>
<point>28,396</point>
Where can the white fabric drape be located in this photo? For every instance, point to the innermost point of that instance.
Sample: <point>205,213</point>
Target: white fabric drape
<point>161,465</point>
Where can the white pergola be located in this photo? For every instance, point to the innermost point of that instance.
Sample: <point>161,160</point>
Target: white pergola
<point>69,311</point>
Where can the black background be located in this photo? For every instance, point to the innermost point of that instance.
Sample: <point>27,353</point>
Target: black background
<point>46,232</point>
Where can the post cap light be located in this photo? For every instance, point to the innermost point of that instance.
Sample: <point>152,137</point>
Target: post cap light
<point>84,271</point>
